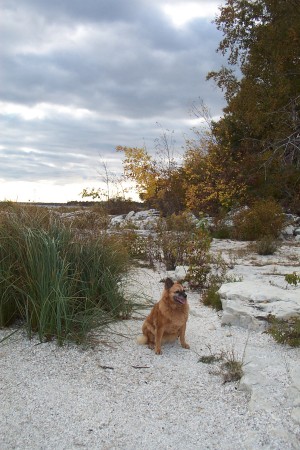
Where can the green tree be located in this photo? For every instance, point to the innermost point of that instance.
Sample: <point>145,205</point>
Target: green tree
<point>261,83</point>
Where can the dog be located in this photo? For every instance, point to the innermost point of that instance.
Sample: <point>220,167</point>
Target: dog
<point>167,319</point>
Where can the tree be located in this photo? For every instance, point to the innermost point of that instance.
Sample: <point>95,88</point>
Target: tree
<point>212,175</point>
<point>140,167</point>
<point>158,178</point>
<point>114,185</point>
<point>262,88</point>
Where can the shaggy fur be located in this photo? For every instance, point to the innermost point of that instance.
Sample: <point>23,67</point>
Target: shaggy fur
<point>167,319</point>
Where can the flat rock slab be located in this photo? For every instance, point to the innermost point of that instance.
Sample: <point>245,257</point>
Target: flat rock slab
<point>261,380</point>
<point>247,304</point>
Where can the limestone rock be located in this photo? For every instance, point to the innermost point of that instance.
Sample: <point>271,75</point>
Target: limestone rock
<point>247,304</point>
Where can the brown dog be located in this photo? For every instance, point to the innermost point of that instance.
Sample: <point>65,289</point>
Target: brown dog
<point>167,319</point>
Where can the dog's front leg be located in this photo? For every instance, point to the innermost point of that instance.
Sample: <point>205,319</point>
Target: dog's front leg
<point>159,331</point>
<point>182,337</point>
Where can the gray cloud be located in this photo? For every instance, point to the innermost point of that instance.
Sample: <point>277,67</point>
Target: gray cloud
<point>78,78</point>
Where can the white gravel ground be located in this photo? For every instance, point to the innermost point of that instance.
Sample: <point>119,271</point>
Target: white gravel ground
<point>119,395</point>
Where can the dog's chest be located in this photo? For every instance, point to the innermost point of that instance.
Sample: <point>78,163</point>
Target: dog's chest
<point>174,319</point>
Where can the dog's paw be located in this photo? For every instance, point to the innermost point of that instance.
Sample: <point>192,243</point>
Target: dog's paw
<point>158,351</point>
<point>185,345</point>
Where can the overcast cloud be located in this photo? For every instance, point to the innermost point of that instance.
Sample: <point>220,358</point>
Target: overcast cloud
<point>78,78</point>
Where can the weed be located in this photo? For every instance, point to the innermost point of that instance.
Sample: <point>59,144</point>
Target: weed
<point>231,366</point>
<point>209,359</point>
<point>292,278</point>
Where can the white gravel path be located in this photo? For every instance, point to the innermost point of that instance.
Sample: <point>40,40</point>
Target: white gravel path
<point>123,396</point>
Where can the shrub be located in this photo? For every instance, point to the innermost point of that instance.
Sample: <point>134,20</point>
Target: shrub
<point>222,231</point>
<point>140,247</point>
<point>285,331</point>
<point>58,286</point>
<point>222,226</point>
<point>176,240</point>
<point>267,245</point>
<point>212,298</point>
<point>232,369</point>
<point>94,220</point>
<point>216,277</point>
<point>198,259</point>
<point>264,218</point>
<point>181,242</point>
<point>173,232</point>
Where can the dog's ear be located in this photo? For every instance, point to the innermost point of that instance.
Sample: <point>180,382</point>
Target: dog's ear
<point>168,283</point>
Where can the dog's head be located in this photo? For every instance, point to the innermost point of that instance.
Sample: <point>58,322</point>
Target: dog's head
<point>176,292</point>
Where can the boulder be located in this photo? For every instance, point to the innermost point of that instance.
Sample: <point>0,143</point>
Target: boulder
<point>130,215</point>
<point>288,231</point>
<point>180,272</point>
<point>142,220</point>
<point>297,231</point>
<point>117,220</point>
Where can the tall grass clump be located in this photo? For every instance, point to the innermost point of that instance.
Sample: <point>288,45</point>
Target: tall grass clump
<point>57,286</point>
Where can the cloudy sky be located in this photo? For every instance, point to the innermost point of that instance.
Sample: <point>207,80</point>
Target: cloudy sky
<point>79,77</point>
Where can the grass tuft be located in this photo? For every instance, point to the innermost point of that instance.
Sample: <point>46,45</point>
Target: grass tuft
<point>267,245</point>
<point>58,286</point>
<point>230,367</point>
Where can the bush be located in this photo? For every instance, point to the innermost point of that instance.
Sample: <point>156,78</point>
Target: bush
<point>215,278</point>
<point>212,298</point>
<point>140,248</point>
<point>59,287</point>
<point>264,218</point>
<point>267,245</point>
<point>182,243</point>
<point>285,331</point>
<point>176,240</point>
<point>222,232</point>
<point>90,220</point>
<point>222,226</point>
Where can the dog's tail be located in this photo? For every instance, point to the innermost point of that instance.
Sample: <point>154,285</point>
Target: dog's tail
<point>142,339</point>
